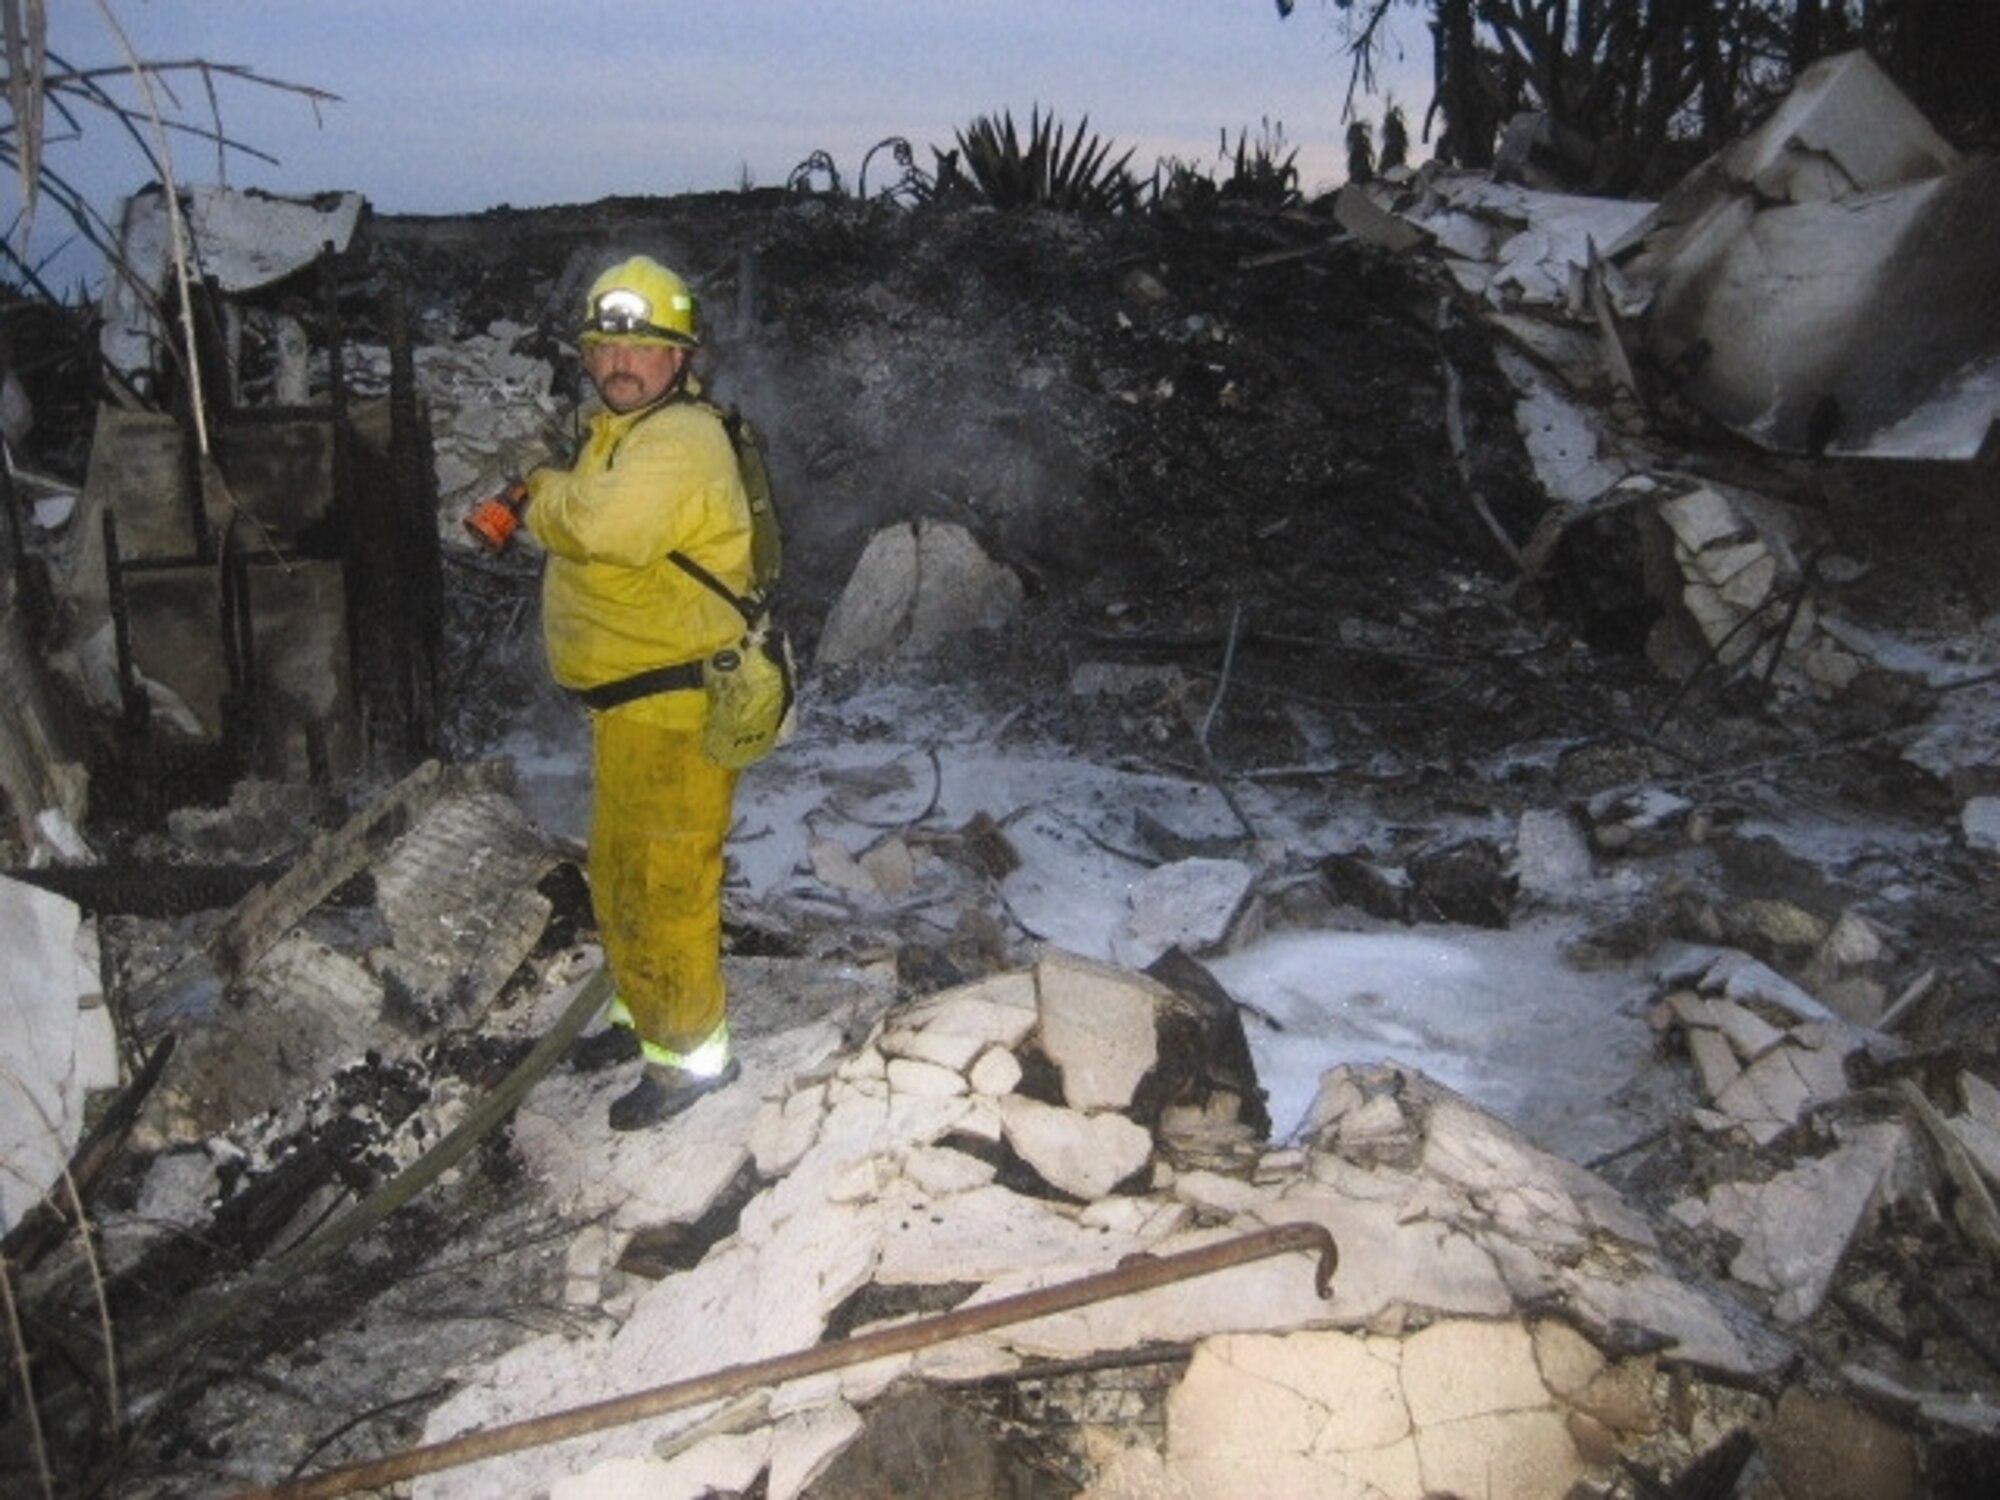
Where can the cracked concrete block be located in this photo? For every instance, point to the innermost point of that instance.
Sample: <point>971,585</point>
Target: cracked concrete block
<point>1001,1009</point>
<point>1188,903</point>
<point>1098,1025</point>
<point>1465,1368</point>
<point>1766,1098</point>
<point>1700,1330</point>
<point>1086,1155</point>
<point>1480,1155</point>
<point>1526,1455</point>
<point>1303,1414</point>
<point>991,1232</point>
<point>802,1445</point>
<point>1386,1261</point>
<point>1821,1061</point>
<point>786,1129</point>
<point>941,1171</point>
<point>924,1080</point>
<point>865,1064</point>
<point>996,1073</point>
<point>1795,1228</point>
<point>955,1052</point>
<point>1568,1361</point>
<point>1749,1035</point>
<point>1715,1061</point>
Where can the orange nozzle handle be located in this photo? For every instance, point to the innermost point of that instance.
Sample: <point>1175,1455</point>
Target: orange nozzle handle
<point>494,519</point>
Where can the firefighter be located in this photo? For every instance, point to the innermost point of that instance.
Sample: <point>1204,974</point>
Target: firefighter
<point>625,631</point>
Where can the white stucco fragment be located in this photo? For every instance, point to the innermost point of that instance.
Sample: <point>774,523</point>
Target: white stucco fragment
<point>1098,1025</point>
<point>997,1072</point>
<point>1086,1155</point>
<point>1188,903</point>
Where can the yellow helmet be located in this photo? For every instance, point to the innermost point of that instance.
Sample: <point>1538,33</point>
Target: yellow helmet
<point>641,300</point>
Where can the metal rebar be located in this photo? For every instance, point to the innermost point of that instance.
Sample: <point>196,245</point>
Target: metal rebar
<point>1137,1273</point>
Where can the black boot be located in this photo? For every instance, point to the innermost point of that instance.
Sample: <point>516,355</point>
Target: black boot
<point>613,1045</point>
<point>661,1093</point>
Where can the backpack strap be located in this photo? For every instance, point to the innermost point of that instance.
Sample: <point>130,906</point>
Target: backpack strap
<point>750,606</point>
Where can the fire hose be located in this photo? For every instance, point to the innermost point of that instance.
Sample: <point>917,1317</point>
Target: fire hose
<point>1136,1273</point>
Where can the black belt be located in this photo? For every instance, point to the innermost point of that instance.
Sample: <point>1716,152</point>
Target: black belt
<point>680,676</point>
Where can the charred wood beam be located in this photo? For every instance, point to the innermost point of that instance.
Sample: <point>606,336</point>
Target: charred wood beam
<point>262,917</point>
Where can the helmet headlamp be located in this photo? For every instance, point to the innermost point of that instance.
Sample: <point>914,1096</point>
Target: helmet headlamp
<point>624,311</point>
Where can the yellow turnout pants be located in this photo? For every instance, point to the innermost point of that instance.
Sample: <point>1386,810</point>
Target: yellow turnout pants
<point>659,812</point>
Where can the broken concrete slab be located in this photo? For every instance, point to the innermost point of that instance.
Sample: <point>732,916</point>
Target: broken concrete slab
<point>57,1047</point>
<point>1086,1155</point>
<point>1821,282</point>
<point>243,239</point>
<point>1442,1214</point>
<point>1522,246</point>
<point>1186,903</point>
<point>1795,1229</point>
<point>1099,1026</point>
<point>914,586</point>
<point>1843,128</point>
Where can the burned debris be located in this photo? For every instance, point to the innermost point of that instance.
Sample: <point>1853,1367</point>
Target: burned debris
<point>1323,722</point>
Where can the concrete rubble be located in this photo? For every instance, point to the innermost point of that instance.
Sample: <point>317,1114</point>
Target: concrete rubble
<point>1781,291</point>
<point>58,1046</point>
<point>1494,1305</point>
<point>242,240</point>
<point>914,586</point>
<point>1824,280</point>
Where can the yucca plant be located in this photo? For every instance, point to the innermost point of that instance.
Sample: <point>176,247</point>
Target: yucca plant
<point>1265,173</point>
<point>1051,168</point>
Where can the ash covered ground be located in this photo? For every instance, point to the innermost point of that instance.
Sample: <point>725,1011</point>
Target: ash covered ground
<point>1218,451</point>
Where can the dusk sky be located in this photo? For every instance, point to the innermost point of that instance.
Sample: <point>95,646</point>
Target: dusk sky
<point>463,105</point>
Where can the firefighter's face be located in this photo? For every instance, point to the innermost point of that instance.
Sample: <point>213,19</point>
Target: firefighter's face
<point>630,374</point>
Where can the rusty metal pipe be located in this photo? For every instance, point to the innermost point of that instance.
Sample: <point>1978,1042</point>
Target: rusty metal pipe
<point>1137,1273</point>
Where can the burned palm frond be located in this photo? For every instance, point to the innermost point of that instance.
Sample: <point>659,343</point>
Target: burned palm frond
<point>1051,168</point>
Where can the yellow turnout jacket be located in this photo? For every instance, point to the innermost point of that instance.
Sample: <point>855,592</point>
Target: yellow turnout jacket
<point>644,484</point>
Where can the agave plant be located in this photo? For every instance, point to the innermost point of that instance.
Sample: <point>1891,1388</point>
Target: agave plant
<point>1051,168</point>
